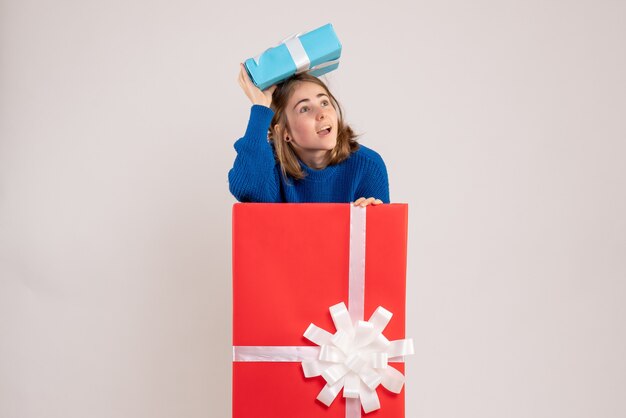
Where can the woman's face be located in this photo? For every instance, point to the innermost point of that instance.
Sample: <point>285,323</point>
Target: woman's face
<point>312,121</point>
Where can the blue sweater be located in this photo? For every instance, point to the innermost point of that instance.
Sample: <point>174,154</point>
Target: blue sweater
<point>256,175</point>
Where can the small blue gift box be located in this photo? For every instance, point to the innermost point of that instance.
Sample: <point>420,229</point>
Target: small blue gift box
<point>316,52</point>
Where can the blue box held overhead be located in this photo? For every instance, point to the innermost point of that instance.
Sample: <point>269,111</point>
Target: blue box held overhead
<point>316,52</point>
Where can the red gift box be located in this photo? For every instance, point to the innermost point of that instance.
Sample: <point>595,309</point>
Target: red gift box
<point>291,262</point>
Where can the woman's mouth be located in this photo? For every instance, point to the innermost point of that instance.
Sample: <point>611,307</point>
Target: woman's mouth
<point>325,131</point>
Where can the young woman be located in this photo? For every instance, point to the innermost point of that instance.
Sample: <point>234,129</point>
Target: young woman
<point>297,148</point>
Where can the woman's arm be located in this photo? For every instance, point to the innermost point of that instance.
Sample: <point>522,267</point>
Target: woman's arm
<point>255,173</point>
<point>374,186</point>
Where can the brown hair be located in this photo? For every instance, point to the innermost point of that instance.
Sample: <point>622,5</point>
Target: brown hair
<point>285,154</point>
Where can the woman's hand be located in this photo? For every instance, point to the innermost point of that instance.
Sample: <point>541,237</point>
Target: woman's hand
<point>361,201</point>
<point>256,96</point>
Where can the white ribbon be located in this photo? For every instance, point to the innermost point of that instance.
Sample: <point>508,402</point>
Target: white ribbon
<point>356,357</point>
<point>356,274</point>
<point>298,55</point>
<point>275,353</point>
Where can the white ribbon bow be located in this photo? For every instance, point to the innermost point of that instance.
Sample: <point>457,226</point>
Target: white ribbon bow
<point>355,358</point>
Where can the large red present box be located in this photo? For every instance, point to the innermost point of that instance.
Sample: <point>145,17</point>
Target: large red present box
<point>291,262</point>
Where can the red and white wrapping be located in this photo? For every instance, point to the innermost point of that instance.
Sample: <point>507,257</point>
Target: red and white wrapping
<point>356,357</point>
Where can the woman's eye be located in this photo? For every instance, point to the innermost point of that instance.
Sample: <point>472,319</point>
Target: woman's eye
<point>306,108</point>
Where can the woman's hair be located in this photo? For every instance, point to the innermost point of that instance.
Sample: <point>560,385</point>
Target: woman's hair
<point>286,155</point>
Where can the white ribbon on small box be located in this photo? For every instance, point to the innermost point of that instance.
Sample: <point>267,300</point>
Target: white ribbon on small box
<point>356,358</point>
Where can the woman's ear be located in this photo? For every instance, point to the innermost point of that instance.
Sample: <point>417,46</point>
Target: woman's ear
<point>282,133</point>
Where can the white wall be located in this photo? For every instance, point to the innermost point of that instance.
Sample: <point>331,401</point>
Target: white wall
<point>501,123</point>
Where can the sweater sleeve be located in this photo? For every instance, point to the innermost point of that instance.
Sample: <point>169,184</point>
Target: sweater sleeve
<point>255,173</point>
<point>375,182</point>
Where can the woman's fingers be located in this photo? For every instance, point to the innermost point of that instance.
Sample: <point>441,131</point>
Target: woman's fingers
<point>240,76</point>
<point>240,79</point>
<point>362,201</point>
<point>368,201</point>
<point>255,95</point>
<point>244,75</point>
<point>244,80</point>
